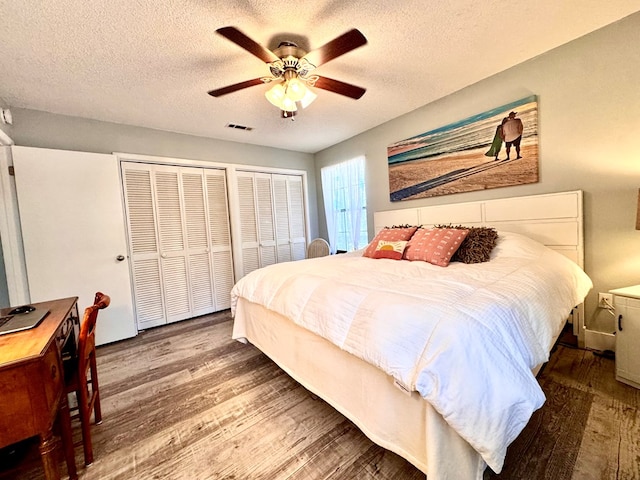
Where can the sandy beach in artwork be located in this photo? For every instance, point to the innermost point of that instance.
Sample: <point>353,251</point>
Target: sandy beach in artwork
<point>516,172</point>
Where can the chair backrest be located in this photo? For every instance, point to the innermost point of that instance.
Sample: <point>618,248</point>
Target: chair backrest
<point>87,338</point>
<point>318,248</point>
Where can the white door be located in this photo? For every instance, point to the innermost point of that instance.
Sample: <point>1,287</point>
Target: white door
<point>266,220</point>
<point>144,249</point>
<point>173,242</point>
<point>257,224</point>
<point>248,222</point>
<point>219,237</point>
<point>627,336</point>
<point>290,219</point>
<point>296,209</point>
<point>180,241</point>
<point>74,232</point>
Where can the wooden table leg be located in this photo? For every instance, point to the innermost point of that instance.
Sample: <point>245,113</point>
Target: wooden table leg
<point>48,455</point>
<point>64,419</point>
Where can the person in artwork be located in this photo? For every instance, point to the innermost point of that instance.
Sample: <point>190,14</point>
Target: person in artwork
<point>496,145</point>
<point>512,129</point>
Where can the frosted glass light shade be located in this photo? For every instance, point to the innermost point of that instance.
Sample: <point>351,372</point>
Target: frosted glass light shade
<point>296,89</point>
<point>275,95</point>
<point>288,105</point>
<point>308,98</point>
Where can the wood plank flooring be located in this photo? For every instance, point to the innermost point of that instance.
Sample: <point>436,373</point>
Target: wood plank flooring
<point>185,401</point>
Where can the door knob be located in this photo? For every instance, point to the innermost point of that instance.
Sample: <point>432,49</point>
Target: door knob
<point>120,258</point>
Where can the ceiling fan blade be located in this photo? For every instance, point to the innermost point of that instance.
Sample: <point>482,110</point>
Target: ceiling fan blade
<point>336,47</point>
<point>251,46</point>
<point>235,87</point>
<point>339,87</point>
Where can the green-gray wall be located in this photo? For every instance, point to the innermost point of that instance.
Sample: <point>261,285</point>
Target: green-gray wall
<point>589,131</point>
<point>46,130</point>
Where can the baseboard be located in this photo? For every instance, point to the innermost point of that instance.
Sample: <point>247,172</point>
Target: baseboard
<point>600,341</point>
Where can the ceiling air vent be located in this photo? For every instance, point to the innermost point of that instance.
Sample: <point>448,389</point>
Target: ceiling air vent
<point>239,127</point>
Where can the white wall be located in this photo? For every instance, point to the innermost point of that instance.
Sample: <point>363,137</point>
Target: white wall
<point>589,139</point>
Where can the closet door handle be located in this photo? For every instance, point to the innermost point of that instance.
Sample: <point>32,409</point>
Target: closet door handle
<point>120,258</point>
<point>620,322</point>
<point>163,255</point>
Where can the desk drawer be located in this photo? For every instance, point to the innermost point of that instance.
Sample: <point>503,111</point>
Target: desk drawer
<point>16,421</point>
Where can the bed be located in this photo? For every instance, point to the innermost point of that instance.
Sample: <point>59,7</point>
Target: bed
<point>433,363</point>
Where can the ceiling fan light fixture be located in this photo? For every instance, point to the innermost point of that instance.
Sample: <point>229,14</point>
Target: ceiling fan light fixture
<point>285,95</point>
<point>291,69</point>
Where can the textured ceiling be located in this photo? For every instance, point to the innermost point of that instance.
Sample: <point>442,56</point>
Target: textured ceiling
<point>151,63</point>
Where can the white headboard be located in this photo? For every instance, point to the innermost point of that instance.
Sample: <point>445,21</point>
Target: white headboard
<point>553,219</point>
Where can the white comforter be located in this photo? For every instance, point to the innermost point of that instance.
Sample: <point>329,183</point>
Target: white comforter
<point>465,336</point>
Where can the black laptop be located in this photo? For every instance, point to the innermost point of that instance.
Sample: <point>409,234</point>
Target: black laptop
<point>20,318</point>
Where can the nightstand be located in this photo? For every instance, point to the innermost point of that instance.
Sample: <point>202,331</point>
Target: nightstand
<point>627,310</point>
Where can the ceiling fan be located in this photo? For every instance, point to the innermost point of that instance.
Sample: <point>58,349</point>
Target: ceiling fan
<point>291,68</point>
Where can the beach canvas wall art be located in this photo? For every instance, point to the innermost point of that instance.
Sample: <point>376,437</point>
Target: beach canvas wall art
<point>468,155</point>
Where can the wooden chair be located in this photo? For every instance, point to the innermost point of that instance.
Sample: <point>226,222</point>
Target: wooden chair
<point>81,374</point>
<point>318,248</point>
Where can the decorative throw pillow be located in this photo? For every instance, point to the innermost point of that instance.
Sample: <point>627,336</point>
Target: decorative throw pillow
<point>477,246</point>
<point>434,245</point>
<point>389,235</point>
<point>392,250</point>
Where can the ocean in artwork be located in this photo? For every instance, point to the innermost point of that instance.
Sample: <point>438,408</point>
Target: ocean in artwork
<point>451,159</point>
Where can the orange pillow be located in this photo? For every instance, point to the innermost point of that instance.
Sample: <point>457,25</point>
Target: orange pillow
<point>389,235</point>
<point>392,250</point>
<point>434,245</point>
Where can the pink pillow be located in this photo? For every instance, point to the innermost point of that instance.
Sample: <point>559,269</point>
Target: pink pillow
<point>389,235</point>
<point>392,250</point>
<point>434,245</point>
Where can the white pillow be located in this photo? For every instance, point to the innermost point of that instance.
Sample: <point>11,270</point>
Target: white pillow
<point>511,244</point>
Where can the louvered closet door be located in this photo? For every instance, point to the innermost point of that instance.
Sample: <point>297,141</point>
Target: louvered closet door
<point>290,220</point>
<point>200,274</point>
<point>219,237</point>
<point>297,218</point>
<point>173,242</point>
<point>248,222</point>
<point>281,204</point>
<point>256,220</point>
<point>266,220</point>
<point>143,245</point>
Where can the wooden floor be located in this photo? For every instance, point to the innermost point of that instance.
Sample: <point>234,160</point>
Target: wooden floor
<point>186,402</point>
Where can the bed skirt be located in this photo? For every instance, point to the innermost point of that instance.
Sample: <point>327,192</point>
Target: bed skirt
<point>398,421</point>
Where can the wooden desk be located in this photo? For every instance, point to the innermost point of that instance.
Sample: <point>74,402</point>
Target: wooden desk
<point>32,394</point>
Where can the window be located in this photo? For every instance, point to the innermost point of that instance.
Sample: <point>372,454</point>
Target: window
<point>345,204</point>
